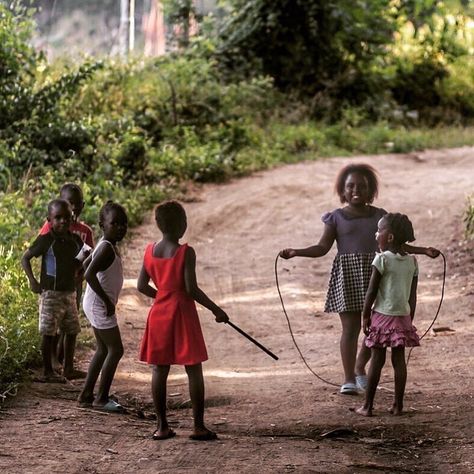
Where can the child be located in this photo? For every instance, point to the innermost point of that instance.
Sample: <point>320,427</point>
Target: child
<point>72,193</point>
<point>353,228</point>
<point>104,276</point>
<point>392,292</point>
<point>173,334</point>
<point>57,287</point>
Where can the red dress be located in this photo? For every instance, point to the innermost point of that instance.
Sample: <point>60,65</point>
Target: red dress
<point>173,334</point>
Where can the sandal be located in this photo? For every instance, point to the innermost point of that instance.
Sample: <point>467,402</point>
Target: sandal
<point>348,388</point>
<point>209,436</point>
<point>111,407</point>
<point>51,378</point>
<point>168,435</point>
<point>75,374</point>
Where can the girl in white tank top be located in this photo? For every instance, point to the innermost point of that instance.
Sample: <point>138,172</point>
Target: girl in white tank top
<point>111,281</point>
<point>104,276</point>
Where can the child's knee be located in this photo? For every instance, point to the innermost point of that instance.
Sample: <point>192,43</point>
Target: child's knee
<point>193,370</point>
<point>378,356</point>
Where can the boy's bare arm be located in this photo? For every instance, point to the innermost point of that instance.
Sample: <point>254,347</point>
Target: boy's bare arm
<point>26,264</point>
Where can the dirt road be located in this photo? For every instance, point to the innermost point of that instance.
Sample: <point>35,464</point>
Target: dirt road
<point>274,416</point>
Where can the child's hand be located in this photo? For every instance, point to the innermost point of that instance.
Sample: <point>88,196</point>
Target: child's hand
<point>366,326</point>
<point>432,252</point>
<point>288,253</point>
<point>35,287</point>
<point>221,315</point>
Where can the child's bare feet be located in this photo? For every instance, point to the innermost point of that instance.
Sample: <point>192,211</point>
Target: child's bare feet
<point>396,410</point>
<point>203,434</point>
<point>364,411</point>
<point>85,400</point>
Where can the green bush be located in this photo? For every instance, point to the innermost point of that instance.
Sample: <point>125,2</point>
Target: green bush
<point>456,91</point>
<point>19,341</point>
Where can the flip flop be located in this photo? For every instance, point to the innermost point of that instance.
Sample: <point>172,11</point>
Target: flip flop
<point>76,374</point>
<point>348,389</point>
<point>209,436</point>
<point>157,437</point>
<point>53,378</point>
<point>361,382</point>
<point>110,407</point>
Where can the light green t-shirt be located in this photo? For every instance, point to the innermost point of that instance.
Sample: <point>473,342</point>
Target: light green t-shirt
<point>397,273</point>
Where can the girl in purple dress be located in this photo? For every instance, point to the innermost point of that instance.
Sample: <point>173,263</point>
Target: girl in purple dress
<point>353,228</point>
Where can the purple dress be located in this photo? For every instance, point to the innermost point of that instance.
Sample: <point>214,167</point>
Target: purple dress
<point>352,266</point>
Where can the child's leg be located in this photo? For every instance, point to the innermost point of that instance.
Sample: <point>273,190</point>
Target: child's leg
<point>54,353</point>
<point>196,392</point>
<point>59,345</point>
<point>46,352</point>
<point>158,390</point>
<point>362,359</point>
<point>95,366</point>
<point>69,349</point>
<point>377,361</point>
<point>349,338</point>
<point>400,370</point>
<point>69,325</point>
<point>113,343</point>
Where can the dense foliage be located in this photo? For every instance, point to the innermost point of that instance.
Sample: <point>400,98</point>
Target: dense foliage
<point>310,45</point>
<point>380,55</point>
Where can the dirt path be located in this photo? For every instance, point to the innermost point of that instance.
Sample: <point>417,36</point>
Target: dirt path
<point>271,416</point>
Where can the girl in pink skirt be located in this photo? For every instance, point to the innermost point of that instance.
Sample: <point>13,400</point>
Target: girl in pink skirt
<point>389,307</point>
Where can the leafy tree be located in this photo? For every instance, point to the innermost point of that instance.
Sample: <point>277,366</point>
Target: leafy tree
<point>309,45</point>
<point>32,129</point>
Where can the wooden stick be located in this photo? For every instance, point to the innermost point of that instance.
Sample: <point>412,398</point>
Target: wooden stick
<point>250,338</point>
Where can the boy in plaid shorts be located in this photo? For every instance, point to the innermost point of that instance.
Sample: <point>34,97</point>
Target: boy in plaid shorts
<point>57,287</point>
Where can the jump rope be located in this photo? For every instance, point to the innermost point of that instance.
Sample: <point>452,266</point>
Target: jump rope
<point>296,344</point>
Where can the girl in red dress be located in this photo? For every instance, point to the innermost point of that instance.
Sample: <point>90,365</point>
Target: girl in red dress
<point>173,334</point>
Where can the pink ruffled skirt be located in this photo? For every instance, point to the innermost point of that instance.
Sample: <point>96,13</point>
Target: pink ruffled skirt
<point>391,331</point>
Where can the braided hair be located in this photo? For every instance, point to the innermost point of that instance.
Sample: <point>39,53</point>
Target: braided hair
<point>400,226</point>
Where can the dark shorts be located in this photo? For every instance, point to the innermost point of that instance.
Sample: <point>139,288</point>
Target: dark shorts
<point>58,309</point>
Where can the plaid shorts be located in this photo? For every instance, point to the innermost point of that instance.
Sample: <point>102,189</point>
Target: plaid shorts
<point>58,309</point>
<point>350,276</point>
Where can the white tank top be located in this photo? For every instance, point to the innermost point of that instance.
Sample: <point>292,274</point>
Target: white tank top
<point>111,281</point>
